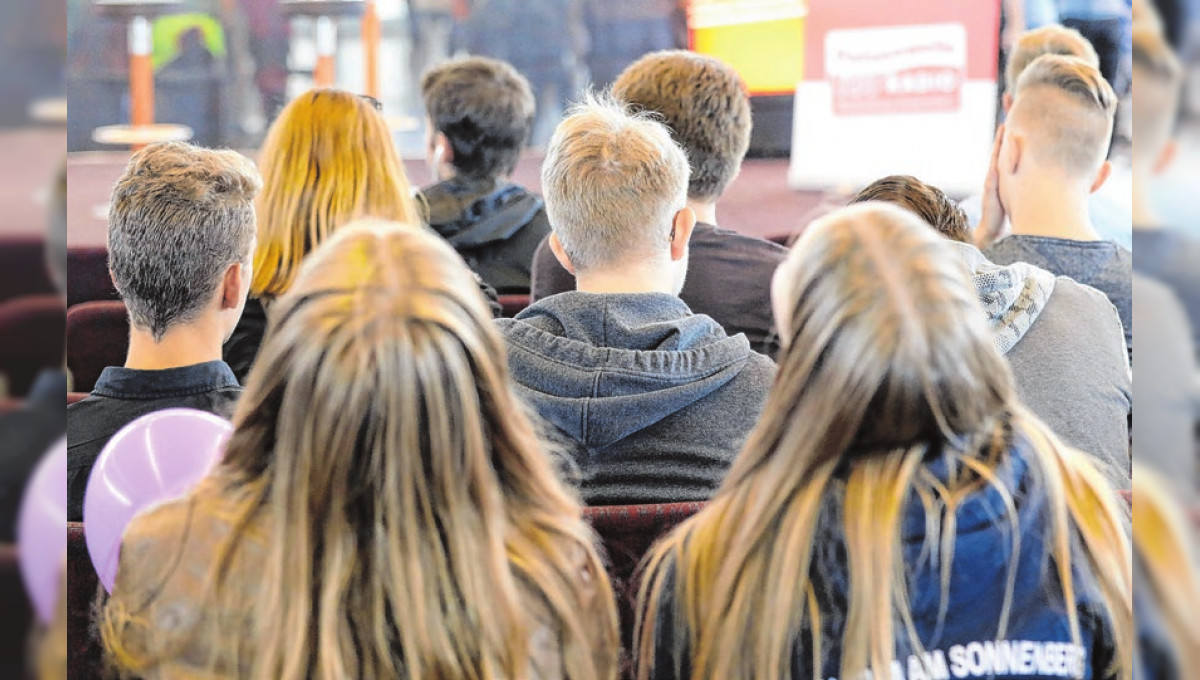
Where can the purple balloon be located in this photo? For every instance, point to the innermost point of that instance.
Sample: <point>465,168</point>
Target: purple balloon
<point>156,458</point>
<point>42,531</point>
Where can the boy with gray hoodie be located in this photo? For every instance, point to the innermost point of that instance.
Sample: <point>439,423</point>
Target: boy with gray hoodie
<point>1064,340</point>
<point>650,402</point>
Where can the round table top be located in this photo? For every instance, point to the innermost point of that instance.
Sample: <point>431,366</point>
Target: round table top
<point>141,134</point>
<point>127,9</point>
<point>49,110</point>
<point>322,8</point>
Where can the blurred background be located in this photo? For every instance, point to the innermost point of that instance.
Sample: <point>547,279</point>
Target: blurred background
<point>222,69</point>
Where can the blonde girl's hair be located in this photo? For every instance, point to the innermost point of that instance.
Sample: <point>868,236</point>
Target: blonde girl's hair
<point>413,525</point>
<point>1163,546</point>
<point>887,361</point>
<point>328,159</point>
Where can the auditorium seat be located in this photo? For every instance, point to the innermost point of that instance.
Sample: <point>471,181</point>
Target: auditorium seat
<point>784,239</point>
<point>31,339</point>
<point>23,267</point>
<point>84,655</point>
<point>16,616</point>
<point>97,336</point>
<point>513,305</point>
<point>627,532</point>
<point>87,276</point>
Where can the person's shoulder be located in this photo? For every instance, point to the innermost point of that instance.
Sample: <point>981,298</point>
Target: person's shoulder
<point>1084,300</point>
<point>750,246</point>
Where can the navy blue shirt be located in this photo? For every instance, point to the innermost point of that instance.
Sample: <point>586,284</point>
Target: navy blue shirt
<point>123,395</point>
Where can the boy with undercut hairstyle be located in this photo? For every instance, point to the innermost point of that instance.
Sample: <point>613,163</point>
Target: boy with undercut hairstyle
<point>1048,159</point>
<point>703,102</point>
<point>181,235</point>
<point>480,113</point>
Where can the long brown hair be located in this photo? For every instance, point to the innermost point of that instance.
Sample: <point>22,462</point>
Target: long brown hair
<point>887,359</point>
<point>413,525</point>
<point>328,159</point>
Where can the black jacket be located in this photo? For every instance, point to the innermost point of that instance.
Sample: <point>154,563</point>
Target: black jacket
<point>493,224</point>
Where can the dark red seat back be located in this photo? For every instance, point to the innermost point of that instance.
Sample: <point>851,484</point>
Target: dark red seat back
<point>627,532</point>
<point>16,616</point>
<point>85,658</point>
<point>97,336</point>
<point>512,305</point>
<point>23,267</point>
<point>87,276</point>
<point>31,339</point>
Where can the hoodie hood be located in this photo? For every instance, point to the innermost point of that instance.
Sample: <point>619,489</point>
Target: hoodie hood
<point>1012,295</point>
<point>646,353</point>
<point>470,213</point>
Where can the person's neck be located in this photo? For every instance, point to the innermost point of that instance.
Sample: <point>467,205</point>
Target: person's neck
<point>706,211</point>
<point>188,345</point>
<point>1051,208</point>
<point>629,280</point>
<point>1144,214</point>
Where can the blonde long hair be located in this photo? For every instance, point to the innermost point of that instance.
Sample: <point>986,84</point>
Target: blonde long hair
<point>887,360</point>
<point>412,521</point>
<point>1162,540</point>
<point>328,159</point>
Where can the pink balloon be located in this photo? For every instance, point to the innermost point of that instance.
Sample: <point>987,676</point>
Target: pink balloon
<point>156,458</point>
<point>42,531</point>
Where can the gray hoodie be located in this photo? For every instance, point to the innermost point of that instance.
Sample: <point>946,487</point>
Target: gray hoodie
<point>650,401</point>
<point>1066,346</point>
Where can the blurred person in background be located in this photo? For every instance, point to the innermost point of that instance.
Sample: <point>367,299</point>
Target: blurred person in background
<point>269,32</point>
<point>543,39</point>
<point>1047,160</point>
<point>478,115</point>
<point>1161,250</point>
<point>1102,22</point>
<point>181,231</point>
<point>27,432</point>
<point>1164,436</point>
<point>703,102</point>
<point>621,31</point>
<point>1062,339</point>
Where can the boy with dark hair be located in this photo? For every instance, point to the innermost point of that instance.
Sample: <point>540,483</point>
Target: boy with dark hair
<point>480,112</point>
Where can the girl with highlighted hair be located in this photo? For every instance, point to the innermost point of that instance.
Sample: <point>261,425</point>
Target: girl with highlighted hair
<point>384,508</point>
<point>896,513</point>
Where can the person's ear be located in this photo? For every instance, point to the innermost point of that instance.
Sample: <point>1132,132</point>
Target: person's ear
<point>1166,157</point>
<point>1102,176</point>
<point>1011,153</point>
<point>681,232</point>
<point>232,291</point>
<point>560,254</point>
<point>443,151</point>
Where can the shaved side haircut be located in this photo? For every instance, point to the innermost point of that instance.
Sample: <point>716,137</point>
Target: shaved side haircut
<point>1053,39</point>
<point>1066,108</point>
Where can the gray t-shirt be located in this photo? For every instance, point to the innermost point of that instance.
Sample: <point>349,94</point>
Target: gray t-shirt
<point>1103,265</point>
